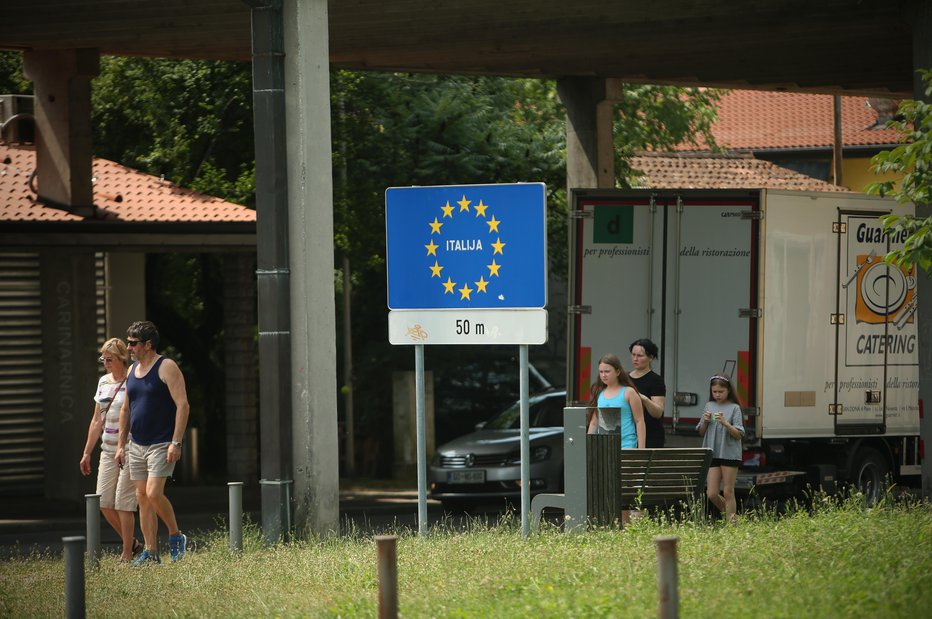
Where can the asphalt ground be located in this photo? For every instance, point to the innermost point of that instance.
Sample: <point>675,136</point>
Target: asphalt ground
<point>30,525</point>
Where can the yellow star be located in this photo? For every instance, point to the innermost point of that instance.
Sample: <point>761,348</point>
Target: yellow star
<point>465,292</point>
<point>448,286</point>
<point>493,268</point>
<point>435,226</point>
<point>435,270</point>
<point>432,248</point>
<point>464,204</point>
<point>480,208</point>
<point>447,210</point>
<point>481,284</point>
<point>493,224</point>
<point>498,247</point>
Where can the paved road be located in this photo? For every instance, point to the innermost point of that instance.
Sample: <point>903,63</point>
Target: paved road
<point>30,525</point>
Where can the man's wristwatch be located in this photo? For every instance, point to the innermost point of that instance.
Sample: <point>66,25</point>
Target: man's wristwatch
<point>177,444</point>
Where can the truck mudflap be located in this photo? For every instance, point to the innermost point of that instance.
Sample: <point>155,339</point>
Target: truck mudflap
<point>749,479</point>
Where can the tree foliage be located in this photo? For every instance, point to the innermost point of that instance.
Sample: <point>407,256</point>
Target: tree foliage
<point>187,120</point>
<point>660,118</point>
<point>913,160</point>
<point>12,80</point>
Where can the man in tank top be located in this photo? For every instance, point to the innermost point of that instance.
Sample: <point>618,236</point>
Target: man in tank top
<point>153,419</point>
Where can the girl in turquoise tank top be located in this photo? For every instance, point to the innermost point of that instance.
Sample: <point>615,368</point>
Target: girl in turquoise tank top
<point>614,389</point>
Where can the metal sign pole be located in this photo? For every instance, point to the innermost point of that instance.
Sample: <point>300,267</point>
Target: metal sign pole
<point>421,439</point>
<point>525,443</point>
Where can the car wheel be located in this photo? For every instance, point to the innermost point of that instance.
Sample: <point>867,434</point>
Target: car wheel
<point>869,474</point>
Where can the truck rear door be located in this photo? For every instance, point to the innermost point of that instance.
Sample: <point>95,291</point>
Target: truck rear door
<point>677,267</point>
<point>710,301</point>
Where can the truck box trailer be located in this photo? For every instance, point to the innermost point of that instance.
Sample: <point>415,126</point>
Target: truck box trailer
<point>787,293</point>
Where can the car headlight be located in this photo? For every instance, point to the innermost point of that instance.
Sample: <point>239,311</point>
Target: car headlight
<point>538,454</point>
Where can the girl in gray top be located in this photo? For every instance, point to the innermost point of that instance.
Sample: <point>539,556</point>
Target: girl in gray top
<point>721,430</point>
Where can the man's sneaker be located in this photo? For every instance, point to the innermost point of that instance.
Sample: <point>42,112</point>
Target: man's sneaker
<point>177,544</point>
<point>146,558</point>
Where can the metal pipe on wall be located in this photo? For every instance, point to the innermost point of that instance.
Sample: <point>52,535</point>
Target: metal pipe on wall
<point>272,272</point>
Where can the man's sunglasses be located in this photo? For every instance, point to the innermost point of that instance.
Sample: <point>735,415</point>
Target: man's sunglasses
<point>132,343</point>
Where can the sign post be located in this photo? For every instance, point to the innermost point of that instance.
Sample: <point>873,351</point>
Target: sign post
<point>467,264</point>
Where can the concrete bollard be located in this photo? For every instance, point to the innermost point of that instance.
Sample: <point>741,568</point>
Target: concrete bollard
<point>74,577</point>
<point>388,575</point>
<point>236,516</point>
<point>669,600</point>
<point>92,516</point>
<point>276,510</point>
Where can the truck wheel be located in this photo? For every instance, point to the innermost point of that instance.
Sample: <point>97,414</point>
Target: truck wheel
<point>869,474</point>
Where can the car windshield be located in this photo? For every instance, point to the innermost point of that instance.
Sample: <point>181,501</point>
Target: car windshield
<point>543,412</point>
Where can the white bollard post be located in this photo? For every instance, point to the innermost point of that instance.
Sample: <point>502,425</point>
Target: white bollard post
<point>236,516</point>
<point>92,516</point>
<point>74,577</point>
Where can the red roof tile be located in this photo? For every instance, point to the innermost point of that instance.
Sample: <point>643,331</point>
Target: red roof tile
<point>757,120</point>
<point>120,194</point>
<point>717,171</point>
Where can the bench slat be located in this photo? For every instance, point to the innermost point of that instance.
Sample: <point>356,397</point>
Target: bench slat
<point>654,476</point>
<point>620,478</point>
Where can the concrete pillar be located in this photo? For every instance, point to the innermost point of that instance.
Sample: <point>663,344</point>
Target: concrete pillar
<point>125,294</point>
<point>590,153</point>
<point>590,163</point>
<point>310,240</point>
<point>922,59</point>
<point>240,371</point>
<point>69,362</point>
<point>62,85</point>
<point>404,423</point>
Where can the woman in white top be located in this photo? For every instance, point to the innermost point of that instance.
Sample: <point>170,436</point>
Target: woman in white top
<point>117,492</point>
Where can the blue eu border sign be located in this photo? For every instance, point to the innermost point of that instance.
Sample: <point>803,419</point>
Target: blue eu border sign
<point>473,257</point>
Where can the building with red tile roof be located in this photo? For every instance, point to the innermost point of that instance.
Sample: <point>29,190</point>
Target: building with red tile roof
<point>718,171</point>
<point>796,130</point>
<point>753,120</point>
<point>121,194</point>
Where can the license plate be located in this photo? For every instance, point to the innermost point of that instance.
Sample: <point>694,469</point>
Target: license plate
<point>466,477</point>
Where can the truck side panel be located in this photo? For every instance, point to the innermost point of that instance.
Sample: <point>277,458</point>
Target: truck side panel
<point>838,327</point>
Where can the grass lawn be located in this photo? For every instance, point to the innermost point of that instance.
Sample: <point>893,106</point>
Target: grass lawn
<point>839,559</point>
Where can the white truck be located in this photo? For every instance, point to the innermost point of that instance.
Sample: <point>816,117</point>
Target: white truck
<point>787,292</point>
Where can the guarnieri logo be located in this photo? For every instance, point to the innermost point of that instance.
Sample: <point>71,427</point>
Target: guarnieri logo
<point>884,292</point>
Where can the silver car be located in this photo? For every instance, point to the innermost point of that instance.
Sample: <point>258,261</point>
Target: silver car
<point>486,464</point>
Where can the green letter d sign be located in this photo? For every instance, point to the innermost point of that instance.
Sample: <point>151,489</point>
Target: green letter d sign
<point>613,224</point>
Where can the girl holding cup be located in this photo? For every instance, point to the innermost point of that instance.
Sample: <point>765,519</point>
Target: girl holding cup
<point>721,429</point>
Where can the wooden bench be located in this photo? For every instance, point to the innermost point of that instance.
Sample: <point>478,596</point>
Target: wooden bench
<point>601,479</point>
